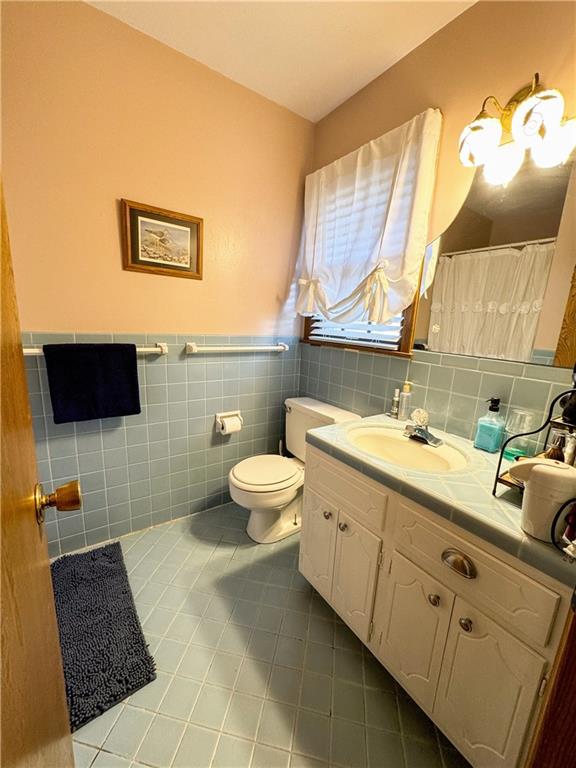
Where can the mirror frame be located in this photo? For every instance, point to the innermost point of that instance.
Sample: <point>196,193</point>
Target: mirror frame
<point>565,356</point>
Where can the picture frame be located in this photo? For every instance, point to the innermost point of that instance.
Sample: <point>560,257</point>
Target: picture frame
<point>161,242</point>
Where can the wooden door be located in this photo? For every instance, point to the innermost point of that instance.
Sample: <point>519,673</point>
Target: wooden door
<point>566,349</point>
<point>34,718</point>
<point>488,686</point>
<point>553,745</point>
<point>317,542</point>
<point>356,566</point>
<point>416,616</point>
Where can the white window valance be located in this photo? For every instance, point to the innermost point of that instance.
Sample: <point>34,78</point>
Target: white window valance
<point>366,225</point>
<point>488,303</point>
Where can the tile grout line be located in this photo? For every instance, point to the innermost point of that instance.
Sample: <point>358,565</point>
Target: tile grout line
<point>190,643</point>
<point>209,560</point>
<point>203,682</point>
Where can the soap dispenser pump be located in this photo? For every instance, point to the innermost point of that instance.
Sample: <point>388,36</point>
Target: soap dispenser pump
<point>490,429</point>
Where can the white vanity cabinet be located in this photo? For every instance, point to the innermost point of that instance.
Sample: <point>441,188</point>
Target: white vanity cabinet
<point>317,542</point>
<point>414,620</point>
<point>341,540</point>
<point>356,564</point>
<point>488,684</point>
<point>469,631</point>
<point>476,679</point>
<point>340,558</point>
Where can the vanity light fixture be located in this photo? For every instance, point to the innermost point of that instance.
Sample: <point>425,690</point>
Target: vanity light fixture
<point>532,120</point>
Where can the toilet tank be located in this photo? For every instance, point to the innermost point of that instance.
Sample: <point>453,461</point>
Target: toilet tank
<point>304,413</point>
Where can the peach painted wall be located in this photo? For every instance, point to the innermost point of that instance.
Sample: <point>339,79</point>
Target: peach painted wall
<point>492,48</point>
<point>94,111</point>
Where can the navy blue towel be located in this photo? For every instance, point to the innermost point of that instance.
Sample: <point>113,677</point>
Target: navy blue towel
<point>92,381</point>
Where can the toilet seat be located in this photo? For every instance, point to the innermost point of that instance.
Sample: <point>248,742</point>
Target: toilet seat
<point>266,473</point>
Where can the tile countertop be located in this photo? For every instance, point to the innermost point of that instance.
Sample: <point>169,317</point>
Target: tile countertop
<point>463,496</point>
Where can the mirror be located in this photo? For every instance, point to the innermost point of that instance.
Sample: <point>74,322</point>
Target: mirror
<point>505,269</point>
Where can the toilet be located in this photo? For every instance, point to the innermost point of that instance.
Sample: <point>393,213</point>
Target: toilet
<point>270,486</point>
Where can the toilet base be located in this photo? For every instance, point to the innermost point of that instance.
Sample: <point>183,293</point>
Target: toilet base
<point>265,526</point>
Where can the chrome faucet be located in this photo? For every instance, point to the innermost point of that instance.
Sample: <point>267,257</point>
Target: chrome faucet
<point>419,430</point>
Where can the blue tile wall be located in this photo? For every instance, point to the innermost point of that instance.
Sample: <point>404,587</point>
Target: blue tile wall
<point>543,356</point>
<point>538,356</point>
<point>168,461</point>
<point>452,388</point>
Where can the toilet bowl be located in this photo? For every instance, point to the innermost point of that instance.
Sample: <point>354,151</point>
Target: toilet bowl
<point>270,486</point>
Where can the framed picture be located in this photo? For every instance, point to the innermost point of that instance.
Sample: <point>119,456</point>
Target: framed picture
<point>161,242</point>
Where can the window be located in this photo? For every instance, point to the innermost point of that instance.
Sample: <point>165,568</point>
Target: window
<point>364,236</point>
<point>396,335</point>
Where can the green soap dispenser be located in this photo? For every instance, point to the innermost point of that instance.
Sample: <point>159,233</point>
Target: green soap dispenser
<point>490,429</point>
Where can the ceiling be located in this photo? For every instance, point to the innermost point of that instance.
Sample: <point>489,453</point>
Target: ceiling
<point>307,56</point>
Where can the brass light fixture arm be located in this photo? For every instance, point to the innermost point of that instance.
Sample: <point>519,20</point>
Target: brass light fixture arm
<point>506,112</point>
<point>495,101</point>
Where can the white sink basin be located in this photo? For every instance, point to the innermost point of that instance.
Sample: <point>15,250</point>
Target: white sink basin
<point>391,445</point>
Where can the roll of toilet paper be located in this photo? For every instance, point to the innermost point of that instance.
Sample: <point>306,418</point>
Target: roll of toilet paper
<point>229,424</point>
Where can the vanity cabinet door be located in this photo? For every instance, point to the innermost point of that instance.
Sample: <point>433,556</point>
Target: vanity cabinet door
<point>415,620</point>
<point>317,542</point>
<point>488,684</point>
<point>356,567</point>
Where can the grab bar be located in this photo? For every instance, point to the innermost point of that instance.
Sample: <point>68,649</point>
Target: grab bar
<point>160,348</point>
<point>193,349</point>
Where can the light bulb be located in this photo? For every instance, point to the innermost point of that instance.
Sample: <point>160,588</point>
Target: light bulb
<point>479,139</point>
<point>557,145</point>
<point>536,116</point>
<point>503,164</point>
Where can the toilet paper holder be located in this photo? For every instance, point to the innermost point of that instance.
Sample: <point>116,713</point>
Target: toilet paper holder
<point>221,417</point>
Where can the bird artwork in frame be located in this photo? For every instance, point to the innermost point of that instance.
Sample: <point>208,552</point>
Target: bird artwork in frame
<point>161,242</point>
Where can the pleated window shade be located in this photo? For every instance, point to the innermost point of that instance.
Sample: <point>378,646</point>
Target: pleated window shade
<point>365,334</point>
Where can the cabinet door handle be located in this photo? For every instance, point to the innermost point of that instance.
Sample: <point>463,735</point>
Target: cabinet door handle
<point>434,600</point>
<point>466,624</point>
<point>327,515</point>
<point>459,562</point>
<point>343,527</point>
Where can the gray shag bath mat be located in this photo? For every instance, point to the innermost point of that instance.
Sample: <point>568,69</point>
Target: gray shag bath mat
<point>104,652</point>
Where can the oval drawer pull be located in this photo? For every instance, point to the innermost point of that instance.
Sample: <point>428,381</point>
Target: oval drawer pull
<point>343,527</point>
<point>459,562</point>
<point>434,600</point>
<point>466,624</point>
<point>327,515</point>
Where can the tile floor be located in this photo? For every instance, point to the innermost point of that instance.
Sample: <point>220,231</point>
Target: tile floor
<point>255,670</point>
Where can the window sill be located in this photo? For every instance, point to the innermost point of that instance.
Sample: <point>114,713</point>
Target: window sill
<point>357,347</point>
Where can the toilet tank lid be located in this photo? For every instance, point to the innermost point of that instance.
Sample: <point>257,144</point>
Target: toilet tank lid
<point>330,413</point>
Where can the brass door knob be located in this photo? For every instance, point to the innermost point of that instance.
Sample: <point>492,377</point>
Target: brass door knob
<point>327,515</point>
<point>466,624</point>
<point>434,600</point>
<point>65,498</point>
